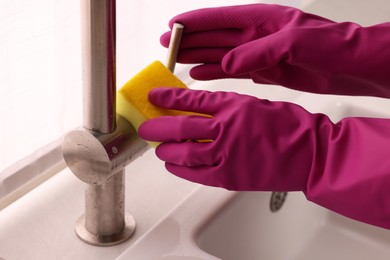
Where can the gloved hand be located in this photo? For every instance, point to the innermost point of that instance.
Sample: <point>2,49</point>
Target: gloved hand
<point>258,145</point>
<point>273,44</point>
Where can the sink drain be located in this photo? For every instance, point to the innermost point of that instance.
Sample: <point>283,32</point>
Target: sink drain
<point>277,200</point>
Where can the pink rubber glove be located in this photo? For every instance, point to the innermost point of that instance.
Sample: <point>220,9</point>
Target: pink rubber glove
<point>280,45</point>
<point>260,145</point>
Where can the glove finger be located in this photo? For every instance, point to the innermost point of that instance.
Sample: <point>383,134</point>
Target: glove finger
<point>186,154</point>
<point>212,72</point>
<point>221,38</point>
<point>199,101</point>
<point>203,55</point>
<point>201,174</point>
<point>216,18</point>
<point>257,55</point>
<point>205,19</point>
<point>179,129</point>
<point>266,18</point>
<point>165,39</point>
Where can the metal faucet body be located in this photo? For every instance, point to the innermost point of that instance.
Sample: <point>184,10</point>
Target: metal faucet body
<point>98,151</point>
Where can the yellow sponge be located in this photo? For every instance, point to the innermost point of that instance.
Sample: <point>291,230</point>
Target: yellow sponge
<point>132,99</point>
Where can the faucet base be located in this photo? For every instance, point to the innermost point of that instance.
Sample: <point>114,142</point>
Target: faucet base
<point>109,240</point>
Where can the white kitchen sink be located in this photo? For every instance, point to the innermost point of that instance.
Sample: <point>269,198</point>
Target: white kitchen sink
<point>246,229</point>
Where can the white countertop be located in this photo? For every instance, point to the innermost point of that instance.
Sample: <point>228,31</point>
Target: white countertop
<point>40,224</point>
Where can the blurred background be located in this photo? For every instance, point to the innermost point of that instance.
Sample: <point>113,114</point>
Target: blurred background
<point>40,63</point>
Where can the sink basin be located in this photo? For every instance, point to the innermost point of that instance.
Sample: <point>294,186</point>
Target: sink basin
<point>246,229</point>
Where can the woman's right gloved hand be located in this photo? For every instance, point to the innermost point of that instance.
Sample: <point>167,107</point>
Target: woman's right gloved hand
<point>258,145</point>
<point>280,45</point>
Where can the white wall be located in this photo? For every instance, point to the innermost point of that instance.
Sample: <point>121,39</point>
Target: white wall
<point>40,74</point>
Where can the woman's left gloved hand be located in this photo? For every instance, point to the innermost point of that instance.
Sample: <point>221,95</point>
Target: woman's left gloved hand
<point>273,44</point>
<point>260,145</point>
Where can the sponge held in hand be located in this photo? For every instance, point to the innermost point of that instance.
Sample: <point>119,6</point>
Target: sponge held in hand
<point>132,99</point>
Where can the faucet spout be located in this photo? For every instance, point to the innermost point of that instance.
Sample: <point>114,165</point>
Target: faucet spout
<point>98,35</point>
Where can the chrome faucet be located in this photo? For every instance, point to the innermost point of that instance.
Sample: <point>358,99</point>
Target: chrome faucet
<point>98,151</point>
